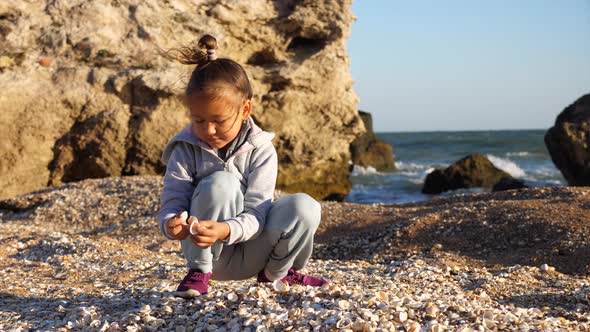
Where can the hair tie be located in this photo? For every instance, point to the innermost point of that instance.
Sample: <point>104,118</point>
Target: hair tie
<point>211,55</point>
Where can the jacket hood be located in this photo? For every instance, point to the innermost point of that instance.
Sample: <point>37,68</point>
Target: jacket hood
<point>256,138</point>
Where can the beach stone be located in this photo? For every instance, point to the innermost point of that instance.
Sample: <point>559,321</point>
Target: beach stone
<point>568,142</point>
<point>473,171</point>
<point>367,150</point>
<point>107,103</point>
<point>508,183</point>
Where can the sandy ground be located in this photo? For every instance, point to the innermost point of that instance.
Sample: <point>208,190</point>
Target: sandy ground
<point>89,256</point>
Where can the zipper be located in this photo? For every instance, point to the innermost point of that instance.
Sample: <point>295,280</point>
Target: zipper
<point>225,163</point>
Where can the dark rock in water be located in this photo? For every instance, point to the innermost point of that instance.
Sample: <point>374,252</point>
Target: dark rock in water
<point>367,150</point>
<point>568,142</point>
<point>508,183</point>
<point>472,171</point>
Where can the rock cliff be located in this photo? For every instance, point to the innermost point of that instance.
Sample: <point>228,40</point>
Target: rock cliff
<point>84,93</point>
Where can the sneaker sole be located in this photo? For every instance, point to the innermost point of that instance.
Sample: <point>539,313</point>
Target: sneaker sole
<point>187,294</point>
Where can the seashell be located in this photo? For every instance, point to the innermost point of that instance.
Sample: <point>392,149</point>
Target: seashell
<point>146,309</point>
<point>413,327</point>
<point>166,309</point>
<point>547,268</point>
<point>193,225</point>
<point>282,317</point>
<point>488,324</point>
<point>382,296</point>
<point>104,327</point>
<point>488,314</point>
<point>184,216</point>
<point>233,297</point>
<point>261,293</point>
<point>361,326</point>
<point>436,328</point>
<point>400,316</point>
<point>280,286</point>
<point>343,304</point>
<point>344,323</point>
<point>432,311</point>
<point>132,328</point>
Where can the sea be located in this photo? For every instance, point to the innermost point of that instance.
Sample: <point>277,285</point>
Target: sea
<point>521,153</point>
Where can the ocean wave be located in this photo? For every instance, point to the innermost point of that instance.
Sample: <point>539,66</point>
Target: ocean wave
<point>506,165</point>
<point>360,170</point>
<point>409,166</point>
<point>547,171</point>
<point>518,154</point>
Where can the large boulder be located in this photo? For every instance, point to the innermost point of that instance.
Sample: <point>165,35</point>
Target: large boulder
<point>367,150</point>
<point>473,171</point>
<point>85,94</point>
<point>568,142</point>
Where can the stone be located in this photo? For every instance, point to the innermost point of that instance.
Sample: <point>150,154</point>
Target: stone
<point>568,142</point>
<point>472,171</point>
<point>368,151</point>
<point>508,183</point>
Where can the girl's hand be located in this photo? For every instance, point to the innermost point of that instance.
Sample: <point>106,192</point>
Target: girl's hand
<point>210,231</point>
<point>177,226</point>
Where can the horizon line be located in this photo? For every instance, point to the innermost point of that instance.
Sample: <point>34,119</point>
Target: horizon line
<point>456,130</point>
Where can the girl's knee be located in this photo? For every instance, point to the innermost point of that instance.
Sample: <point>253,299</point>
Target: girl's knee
<point>306,209</point>
<point>219,186</point>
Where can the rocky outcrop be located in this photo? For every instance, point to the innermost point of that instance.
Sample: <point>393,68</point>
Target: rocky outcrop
<point>473,171</point>
<point>367,150</point>
<point>568,142</point>
<point>85,94</point>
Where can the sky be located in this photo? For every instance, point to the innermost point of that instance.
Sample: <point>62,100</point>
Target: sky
<point>434,65</point>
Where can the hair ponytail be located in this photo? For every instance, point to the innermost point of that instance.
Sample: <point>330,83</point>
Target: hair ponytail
<point>212,76</point>
<point>199,55</point>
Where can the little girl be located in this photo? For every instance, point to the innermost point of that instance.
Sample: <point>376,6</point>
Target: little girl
<point>222,170</point>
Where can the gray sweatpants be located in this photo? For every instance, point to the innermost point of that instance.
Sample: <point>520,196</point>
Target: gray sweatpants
<point>285,242</point>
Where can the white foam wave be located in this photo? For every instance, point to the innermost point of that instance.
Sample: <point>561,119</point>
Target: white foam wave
<point>405,166</point>
<point>360,170</point>
<point>506,165</point>
<point>518,154</point>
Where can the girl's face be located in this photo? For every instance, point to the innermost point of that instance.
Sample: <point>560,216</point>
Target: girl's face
<point>217,121</point>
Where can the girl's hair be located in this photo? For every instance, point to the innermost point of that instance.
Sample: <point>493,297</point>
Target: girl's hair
<point>217,78</point>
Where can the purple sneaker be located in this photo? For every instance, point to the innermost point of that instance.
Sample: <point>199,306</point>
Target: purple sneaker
<point>195,283</point>
<point>295,278</point>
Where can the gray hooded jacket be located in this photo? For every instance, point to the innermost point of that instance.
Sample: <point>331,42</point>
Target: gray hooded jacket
<point>255,164</point>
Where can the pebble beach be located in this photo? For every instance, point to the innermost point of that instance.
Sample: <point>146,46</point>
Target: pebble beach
<point>88,256</point>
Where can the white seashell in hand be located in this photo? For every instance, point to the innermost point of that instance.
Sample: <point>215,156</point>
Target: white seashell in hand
<point>193,225</point>
<point>184,215</point>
